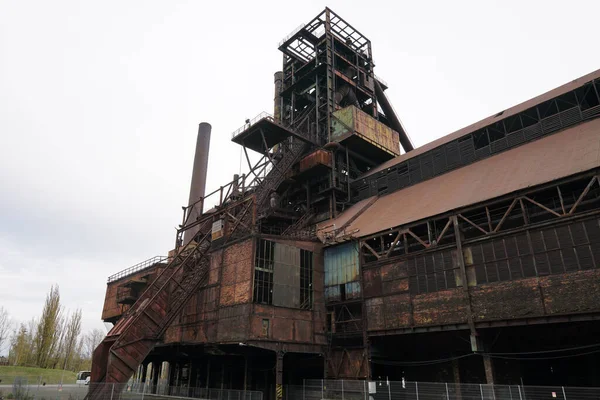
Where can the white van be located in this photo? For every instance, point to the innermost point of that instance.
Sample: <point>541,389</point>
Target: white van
<point>83,377</point>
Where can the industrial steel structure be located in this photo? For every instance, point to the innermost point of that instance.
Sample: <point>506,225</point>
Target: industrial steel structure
<point>474,258</point>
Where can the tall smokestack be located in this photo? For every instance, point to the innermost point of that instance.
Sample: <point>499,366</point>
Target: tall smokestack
<point>277,100</point>
<point>198,185</point>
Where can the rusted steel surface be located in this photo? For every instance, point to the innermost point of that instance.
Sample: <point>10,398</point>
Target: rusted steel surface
<point>318,157</point>
<point>222,312</point>
<point>112,309</point>
<point>236,283</point>
<point>282,324</point>
<point>571,151</point>
<point>233,323</point>
<point>487,121</point>
<point>569,293</point>
<point>352,121</point>
<point>348,364</point>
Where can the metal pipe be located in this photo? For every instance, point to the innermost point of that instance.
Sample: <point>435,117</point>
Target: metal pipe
<point>277,99</point>
<point>386,106</point>
<point>198,184</point>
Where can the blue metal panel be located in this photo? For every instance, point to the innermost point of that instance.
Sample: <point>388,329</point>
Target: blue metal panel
<point>352,290</point>
<point>332,293</point>
<point>341,264</point>
<point>342,268</point>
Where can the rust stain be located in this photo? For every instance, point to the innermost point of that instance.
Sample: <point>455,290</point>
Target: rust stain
<point>562,154</point>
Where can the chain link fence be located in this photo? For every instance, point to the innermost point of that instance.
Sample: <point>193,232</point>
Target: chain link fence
<point>19,389</point>
<point>401,390</point>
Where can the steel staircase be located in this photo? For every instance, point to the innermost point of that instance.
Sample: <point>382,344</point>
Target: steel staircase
<point>141,328</point>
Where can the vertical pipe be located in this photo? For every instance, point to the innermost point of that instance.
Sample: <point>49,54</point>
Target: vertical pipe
<point>564,394</point>
<point>447,392</point>
<point>277,99</point>
<point>198,183</point>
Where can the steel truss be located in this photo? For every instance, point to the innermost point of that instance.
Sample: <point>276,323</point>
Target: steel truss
<point>579,195</point>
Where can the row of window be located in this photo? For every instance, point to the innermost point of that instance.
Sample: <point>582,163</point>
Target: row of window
<point>554,250</point>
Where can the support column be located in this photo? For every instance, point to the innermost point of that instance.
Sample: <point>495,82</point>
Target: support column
<point>478,345</point>
<point>279,376</point>
<point>144,372</point>
<point>456,373</point>
<point>155,375</point>
<point>208,373</point>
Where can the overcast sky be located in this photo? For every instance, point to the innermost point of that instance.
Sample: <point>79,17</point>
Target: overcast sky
<point>100,103</point>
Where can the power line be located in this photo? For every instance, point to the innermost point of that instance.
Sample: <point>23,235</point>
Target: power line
<point>504,356</point>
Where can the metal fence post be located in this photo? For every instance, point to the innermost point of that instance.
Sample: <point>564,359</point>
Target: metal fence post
<point>417,389</point>
<point>389,389</point>
<point>520,395</point>
<point>303,389</point>
<point>143,389</point>
<point>112,391</point>
<point>322,389</point>
<point>481,390</point>
<point>342,389</point>
<point>564,394</point>
<point>447,393</point>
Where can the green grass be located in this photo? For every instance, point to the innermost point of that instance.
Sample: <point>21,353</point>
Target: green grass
<point>33,375</point>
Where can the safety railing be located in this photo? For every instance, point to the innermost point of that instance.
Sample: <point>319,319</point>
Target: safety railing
<point>285,39</point>
<point>396,390</point>
<point>21,389</point>
<point>251,122</point>
<point>136,268</point>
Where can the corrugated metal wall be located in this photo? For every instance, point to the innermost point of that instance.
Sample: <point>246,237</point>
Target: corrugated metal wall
<point>342,272</point>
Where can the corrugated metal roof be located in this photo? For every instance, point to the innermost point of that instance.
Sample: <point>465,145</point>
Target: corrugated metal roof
<point>571,151</point>
<point>487,121</point>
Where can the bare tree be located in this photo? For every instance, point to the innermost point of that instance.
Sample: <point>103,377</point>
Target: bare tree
<point>91,340</point>
<point>5,327</point>
<point>47,335</point>
<point>71,334</point>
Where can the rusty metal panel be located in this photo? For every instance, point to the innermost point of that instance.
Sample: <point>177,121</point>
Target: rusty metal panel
<point>573,292</point>
<point>440,308</point>
<point>312,160</point>
<point>507,300</point>
<point>487,121</point>
<point>352,121</point>
<point>562,154</point>
<point>286,276</point>
<point>376,132</point>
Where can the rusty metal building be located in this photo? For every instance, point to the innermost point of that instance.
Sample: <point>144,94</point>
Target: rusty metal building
<point>474,258</point>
